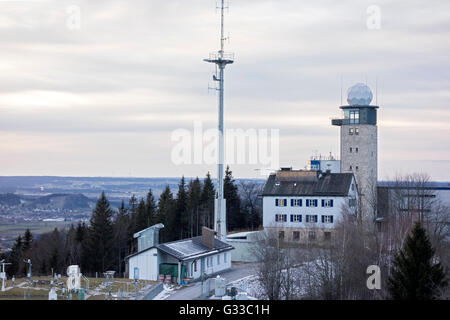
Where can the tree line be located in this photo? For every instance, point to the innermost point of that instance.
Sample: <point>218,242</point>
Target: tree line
<point>104,242</point>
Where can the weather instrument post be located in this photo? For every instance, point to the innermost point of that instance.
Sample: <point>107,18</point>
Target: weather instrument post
<point>3,274</point>
<point>220,59</point>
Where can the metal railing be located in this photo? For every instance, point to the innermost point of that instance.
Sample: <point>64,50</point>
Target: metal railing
<point>225,56</point>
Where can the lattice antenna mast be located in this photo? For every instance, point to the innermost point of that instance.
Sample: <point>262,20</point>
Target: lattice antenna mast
<point>221,59</point>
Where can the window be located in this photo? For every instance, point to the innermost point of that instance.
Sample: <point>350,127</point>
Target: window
<point>296,202</point>
<point>351,168</point>
<point>354,116</point>
<point>327,203</point>
<point>351,149</point>
<point>357,168</point>
<point>356,150</point>
<point>195,266</point>
<point>225,257</point>
<point>281,217</point>
<point>280,202</point>
<point>311,202</point>
<point>296,218</point>
<point>357,131</point>
<point>296,235</point>
<point>353,187</point>
<point>218,259</point>
<point>350,131</point>
<point>352,202</point>
<point>311,235</point>
<point>281,235</point>
<point>327,219</point>
<point>311,218</point>
<point>327,235</point>
<point>209,262</point>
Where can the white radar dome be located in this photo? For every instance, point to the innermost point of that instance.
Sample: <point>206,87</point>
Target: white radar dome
<point>359,95</point>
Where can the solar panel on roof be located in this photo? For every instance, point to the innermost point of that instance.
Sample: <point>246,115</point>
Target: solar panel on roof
<point>186,248</point>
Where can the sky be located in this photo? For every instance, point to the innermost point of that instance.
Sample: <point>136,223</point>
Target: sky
<point>97,88</point>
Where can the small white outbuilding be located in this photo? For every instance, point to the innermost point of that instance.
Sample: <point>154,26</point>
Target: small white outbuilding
<point>187,258</point>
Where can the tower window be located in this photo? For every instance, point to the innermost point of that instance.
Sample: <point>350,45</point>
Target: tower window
<point>357,168</point>
<point>356,150</point>
<point>357,131</point>
<point>351,168</point>
<point>354,116</point>
<point>350,131</point>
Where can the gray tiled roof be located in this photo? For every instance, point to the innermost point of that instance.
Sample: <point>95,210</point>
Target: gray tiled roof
<point>306,183</point>
<point>183,249</point>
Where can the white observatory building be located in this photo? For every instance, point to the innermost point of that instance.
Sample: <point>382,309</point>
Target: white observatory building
<point>359,145</point>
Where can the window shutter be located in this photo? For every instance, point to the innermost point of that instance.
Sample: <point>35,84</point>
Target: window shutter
<point>285,218</point>
<point>300,217</point>
<point>331,204</point>
<point>301,202</point>
<point>323,203</point>
<point>292,218</point>
<point>315,218</point>
<point>276,202</point>
<point>292,202</point>
<point>285,202</point>
<point>331,217</point>
<point>323,219</point>
<point>307,202</point>
<point>307,216</point>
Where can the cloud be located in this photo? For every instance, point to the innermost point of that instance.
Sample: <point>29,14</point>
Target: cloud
<point>133,73</point>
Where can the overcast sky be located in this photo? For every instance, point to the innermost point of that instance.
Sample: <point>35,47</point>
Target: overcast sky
<point>104,99</point>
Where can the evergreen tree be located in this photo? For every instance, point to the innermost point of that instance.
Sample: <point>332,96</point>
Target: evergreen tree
<point>150,206</point>
<point>164,214</point>
<point>414,275</point>
<point>27,241</point>
<point>72,253</point>
<point>132,213</point>
<point>235,219</point>
<point>141,217</point>
<point>101,236</point>
<point>120,238</point>
<point>180,226</point>
<point>207,204</point>
<point>80,232</point>
<point>16,258</point>
<point>194,194</point>
<point>56,259</point>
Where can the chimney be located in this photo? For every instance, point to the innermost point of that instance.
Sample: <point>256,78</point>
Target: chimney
<point>208,237</point>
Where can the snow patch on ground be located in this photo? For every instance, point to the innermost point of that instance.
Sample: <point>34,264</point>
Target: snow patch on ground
<point>165,293</point>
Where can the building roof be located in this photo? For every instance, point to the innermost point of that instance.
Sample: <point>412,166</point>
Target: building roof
<point>307,183</point>
<point>156,226</point>
<point>192,247</point>
<point>188,248</point>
